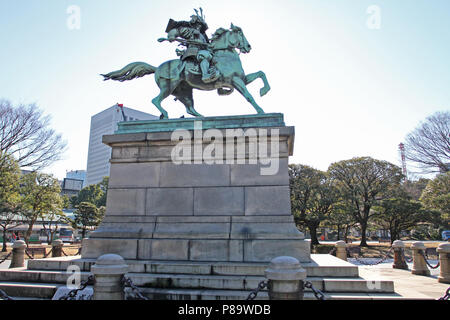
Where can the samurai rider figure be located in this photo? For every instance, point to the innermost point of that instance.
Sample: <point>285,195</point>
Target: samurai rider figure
<point>196,41</point>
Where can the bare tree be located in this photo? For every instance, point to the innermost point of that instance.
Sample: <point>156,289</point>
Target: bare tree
<point>25,134</point>
<point>429,144</point>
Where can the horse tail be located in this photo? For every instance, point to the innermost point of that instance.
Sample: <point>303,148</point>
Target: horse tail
<point>131,71</point>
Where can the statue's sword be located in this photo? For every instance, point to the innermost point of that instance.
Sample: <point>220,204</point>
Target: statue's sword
<point>184,41</point>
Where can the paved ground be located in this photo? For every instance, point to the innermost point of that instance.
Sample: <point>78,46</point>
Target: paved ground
<point>406,284</point>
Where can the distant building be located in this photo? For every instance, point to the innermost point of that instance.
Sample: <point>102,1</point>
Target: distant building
<point>77,174</point>
<point>103,123</point>
<point>71,187</point>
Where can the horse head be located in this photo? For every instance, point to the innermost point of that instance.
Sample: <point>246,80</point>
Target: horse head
<point>232,38</point>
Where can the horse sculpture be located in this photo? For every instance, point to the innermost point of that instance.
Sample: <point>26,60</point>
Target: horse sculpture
<point>178,78</point>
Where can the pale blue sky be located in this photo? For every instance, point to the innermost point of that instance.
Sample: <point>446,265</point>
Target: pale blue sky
<point>349,90</point>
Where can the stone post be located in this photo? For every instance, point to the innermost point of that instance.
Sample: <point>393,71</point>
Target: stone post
<point>108,272</point>
<point>399,255</point>
<point>419,264</point>
<point>286,277</point>
<point>444,254</point>
<point>341,250</point>
<point>57,247</point>
<point>18,254</point>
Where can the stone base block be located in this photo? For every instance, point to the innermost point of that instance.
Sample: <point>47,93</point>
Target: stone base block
<point>226,250</point>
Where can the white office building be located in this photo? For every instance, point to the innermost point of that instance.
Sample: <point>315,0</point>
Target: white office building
<point>78,175</point>
<point>103,123</point>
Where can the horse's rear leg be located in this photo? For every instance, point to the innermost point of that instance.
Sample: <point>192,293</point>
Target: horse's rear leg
<point>253,76</point>
<point>164,93</point>
<point>239,84</point>
<point>184,94</point>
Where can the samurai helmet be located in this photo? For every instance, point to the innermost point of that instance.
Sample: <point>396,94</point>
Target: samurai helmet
<point>199,19</point>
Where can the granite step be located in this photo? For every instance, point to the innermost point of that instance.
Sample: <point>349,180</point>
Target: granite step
<point>251,282</point>
<point>320,266</point>
<point>24,290</point>
<point>216,282</point>
<point>37,276</point>
<point>198,294</point>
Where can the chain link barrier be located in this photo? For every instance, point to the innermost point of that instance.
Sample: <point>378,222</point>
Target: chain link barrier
<point>261,286</point>
<point>446,296</point>
<point>407,259</point>
<point>306,284</point>
<point>4,296</point>
<point>127,283</point>
<point>48,253</point>
<point>6,258</point>
<point>28,254</point>
<point>71,295</point>
<point>358,258</point>
<point>317,293</point>
<point>333,252</point>
<point>426,260</point>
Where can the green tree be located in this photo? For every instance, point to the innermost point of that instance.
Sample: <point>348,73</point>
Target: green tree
<point>341,218</point>
<point>362,182</point>
<point>9,195</point>
<point>87,215</point>
<point>312,197</point>
<point>41,196</point>
<point>436,196</point>
<point>400,214</point>
<point>104,187</point>
<point>94,193</point>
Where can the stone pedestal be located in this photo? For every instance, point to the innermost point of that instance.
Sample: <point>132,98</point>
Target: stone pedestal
<point>341,250</point>
<point>109,270</point>
<point>399,255</point>
<point>57,248</point>
<point>444,260</point>
<point>419,264</point>
<point>178,191</point>
<point>286,279</point>
<point>18,254</point>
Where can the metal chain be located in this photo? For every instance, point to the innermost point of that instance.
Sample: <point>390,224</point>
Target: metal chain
<point>128,283</point>
<point>262,285</point>
<point>29,256</point>
<point>5,258</point>
<point>73,293</point>
<point>426,261</point>
<point>48,253</point>
<point>4,296</point>
<point>407,259</point>
<point>446,296</point>
<point>369,263</point>
<point>317,293</point>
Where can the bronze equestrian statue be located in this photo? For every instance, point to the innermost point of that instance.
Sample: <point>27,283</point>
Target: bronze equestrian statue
<point>204,65</point>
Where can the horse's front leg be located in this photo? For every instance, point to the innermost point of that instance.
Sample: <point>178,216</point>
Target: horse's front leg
<point>239,84</point>
<point>253,76</point>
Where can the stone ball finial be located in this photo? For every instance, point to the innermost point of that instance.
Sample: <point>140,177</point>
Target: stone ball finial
<point>341,244</point>
<point>285,268</point>
<point>110,264</point>
<point>443,247</point>
<point>19,244</point>
<point>398,244</point>
<point>418,245</point>
<point>57,243</point>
